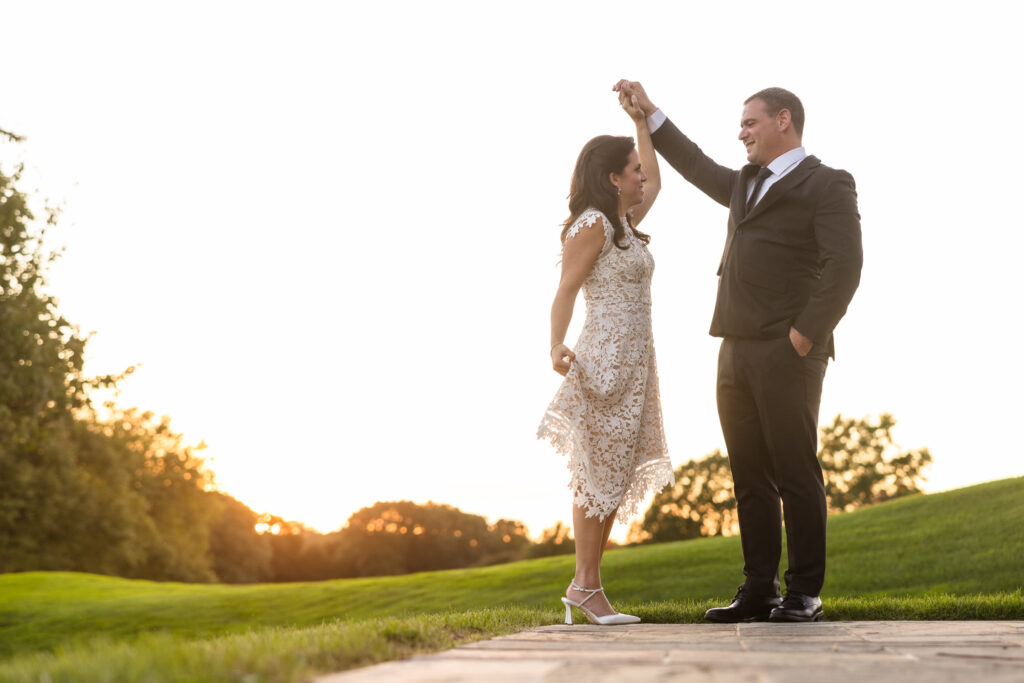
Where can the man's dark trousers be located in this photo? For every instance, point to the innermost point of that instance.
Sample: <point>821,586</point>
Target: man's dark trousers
<point>768,399</point>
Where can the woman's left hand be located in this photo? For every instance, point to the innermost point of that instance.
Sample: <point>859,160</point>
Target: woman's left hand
<point>561,358</point>
<point>632,107</point>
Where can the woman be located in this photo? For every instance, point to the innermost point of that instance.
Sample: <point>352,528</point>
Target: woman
<point>606,416</point>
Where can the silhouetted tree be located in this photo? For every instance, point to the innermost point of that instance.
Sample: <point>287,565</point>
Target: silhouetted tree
<point>862,465</point>
<point>555,540</point>
<point>700,503</point>
<point>507,541</point>
<point>54,507</point>
<point>238,553</point>
<point>401,536</point>
<point>298,553</point>
<point>119,495</point>
<point>116,491</point>
<point>859,461</point>
<point>169,479</point>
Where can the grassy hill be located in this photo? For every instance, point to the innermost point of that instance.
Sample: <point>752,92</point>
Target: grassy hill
<point>956,554</point>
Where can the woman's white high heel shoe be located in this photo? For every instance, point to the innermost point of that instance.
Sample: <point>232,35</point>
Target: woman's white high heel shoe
<point>607,620</point>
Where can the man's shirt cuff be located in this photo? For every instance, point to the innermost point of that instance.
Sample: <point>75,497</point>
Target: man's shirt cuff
<point>655,120</point>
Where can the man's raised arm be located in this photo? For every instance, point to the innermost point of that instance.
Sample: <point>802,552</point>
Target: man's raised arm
<point>714,180</point>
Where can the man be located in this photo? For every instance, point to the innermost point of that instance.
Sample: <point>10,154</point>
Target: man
<point>791,264</point>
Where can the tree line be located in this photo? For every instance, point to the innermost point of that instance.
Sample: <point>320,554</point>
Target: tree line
<point>116,491</point>
<point>860,463</point>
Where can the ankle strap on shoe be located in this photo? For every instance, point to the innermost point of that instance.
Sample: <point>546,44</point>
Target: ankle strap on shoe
<point>581,589</point>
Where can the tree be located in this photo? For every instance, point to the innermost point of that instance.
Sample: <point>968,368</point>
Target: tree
<point>507,541</point>
<point>399,537</point>
<point>555,540</point>
<point>238,554</point>
<point>862,465</point>
<point>170,478</point>
<point>297,553</point>
<point>116,491</point>
<point>700,503</point>
<point>121,495</point>
<point>859,462</point>
<point>43,494</point>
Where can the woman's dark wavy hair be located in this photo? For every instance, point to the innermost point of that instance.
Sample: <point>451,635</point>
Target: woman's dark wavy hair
<point>591,186</point>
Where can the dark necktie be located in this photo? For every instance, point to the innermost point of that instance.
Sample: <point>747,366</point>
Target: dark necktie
<point>762,175</point>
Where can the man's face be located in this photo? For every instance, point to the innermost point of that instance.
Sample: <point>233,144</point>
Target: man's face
<point>759,133</point>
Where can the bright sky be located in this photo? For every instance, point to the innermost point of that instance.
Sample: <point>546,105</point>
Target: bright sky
<point>329,231</point>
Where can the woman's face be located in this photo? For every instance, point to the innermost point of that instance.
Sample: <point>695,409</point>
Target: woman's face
<point>630,182</point>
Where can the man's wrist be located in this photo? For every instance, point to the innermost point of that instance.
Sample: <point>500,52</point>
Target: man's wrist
<point>655,120</point>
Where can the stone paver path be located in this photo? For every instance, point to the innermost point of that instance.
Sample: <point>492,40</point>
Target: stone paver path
<point>832,652</point>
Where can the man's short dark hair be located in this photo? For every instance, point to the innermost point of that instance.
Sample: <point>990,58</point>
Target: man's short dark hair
<point>777,99</point>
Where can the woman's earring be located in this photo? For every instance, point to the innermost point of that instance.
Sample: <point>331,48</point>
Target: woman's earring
<point>618,191</point>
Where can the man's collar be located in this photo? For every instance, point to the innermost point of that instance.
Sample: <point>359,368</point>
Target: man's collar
<point>785,160</point>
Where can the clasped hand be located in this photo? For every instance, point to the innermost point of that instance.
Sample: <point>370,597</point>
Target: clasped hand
<point>561,358</point>
<point>633,96</point>
<point>631,105</point>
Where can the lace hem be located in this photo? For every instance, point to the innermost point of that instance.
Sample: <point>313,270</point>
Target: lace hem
<point>653,474</point>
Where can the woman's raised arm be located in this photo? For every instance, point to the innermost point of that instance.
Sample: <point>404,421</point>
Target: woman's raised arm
<point>648,158</point>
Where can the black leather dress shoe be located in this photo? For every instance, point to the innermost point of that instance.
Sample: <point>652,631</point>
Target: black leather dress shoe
<point>744,607</point>
<point>798,607</point>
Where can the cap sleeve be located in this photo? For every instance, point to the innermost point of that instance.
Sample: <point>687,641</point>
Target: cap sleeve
<point>588,219</point>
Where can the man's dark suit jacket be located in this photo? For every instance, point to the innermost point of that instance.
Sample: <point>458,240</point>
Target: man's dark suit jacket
<point>795,259</point>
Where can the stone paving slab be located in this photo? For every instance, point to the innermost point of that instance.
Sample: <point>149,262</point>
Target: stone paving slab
<point>836,652</point>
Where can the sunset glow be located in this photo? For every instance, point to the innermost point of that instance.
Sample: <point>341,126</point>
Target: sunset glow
<point>328,232</point>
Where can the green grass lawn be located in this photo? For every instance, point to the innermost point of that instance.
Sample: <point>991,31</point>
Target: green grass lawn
<point>952,555</point>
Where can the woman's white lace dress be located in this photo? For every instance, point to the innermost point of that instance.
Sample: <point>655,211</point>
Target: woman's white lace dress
<point>606,416</point>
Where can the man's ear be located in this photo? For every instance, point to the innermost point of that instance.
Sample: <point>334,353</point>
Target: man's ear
<point>784,120</point>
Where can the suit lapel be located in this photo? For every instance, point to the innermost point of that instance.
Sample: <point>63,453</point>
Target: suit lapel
<point>736,208</point>
<point>786,183</point>
<point>739,196</point>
